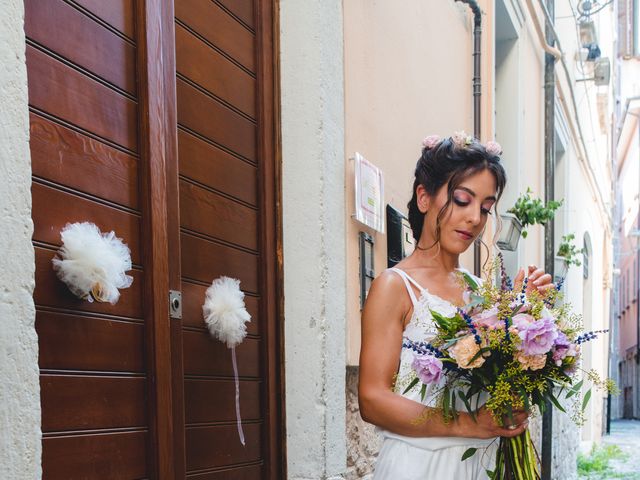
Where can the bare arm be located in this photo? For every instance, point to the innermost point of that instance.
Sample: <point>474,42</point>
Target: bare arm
<point>383,317</point>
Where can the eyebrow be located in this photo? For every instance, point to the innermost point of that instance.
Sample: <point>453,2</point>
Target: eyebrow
<point>473,194</point>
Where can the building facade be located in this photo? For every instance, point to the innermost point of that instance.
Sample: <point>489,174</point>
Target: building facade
<point>218,138</point>
<point>625,320</point>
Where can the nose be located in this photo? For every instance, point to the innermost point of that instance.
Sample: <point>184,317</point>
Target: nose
<point>474,217</point>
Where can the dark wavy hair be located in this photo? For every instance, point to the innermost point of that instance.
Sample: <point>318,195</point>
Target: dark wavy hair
<point>450,163</point>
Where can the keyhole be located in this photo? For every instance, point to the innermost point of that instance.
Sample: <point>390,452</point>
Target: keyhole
<point>175,303</point>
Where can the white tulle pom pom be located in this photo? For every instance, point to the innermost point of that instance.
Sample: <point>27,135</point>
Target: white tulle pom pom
<point>224,311</point>
<point>93,264</point>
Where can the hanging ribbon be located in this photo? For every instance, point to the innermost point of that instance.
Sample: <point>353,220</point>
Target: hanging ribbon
<point>235,373</point>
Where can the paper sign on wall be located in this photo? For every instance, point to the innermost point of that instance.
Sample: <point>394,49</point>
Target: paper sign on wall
<point>369,194</point>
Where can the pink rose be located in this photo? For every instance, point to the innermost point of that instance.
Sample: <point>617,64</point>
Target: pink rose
<point>461,139</point>
<point>522,320</point>
<point>531,362</point>
<point>431,141</point>
<point>464,350</point>
<point>487,318</point>
<point>493,148</point>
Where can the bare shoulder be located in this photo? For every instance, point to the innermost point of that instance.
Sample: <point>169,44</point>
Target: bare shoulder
<point>388,283</point>
<point>388,296</point>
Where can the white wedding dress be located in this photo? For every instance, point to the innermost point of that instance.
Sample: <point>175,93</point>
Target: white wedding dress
<point>429,458</point>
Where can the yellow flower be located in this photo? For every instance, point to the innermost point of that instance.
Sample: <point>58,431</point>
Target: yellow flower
<point>464,350</point>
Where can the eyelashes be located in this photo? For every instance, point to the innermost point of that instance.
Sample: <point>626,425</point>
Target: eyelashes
<point>462,203</point>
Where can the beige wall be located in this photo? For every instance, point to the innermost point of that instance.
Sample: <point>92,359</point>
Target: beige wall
<point>407,75</point>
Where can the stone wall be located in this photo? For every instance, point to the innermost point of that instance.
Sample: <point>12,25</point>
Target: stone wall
<point>363,442</point>
<point>20,449</point>
<point>313,206</point>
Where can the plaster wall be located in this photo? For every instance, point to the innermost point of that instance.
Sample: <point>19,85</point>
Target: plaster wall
<point>311,48</point>
<point>407,75</point>
<point>20,449</point>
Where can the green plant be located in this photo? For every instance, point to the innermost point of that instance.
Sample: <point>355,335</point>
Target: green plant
<point>531,211</point>
<point>595,465</point>
<point>569,251</point>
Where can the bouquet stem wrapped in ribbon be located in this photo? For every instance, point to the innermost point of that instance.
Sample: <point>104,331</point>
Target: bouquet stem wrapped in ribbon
<point>515,349</point>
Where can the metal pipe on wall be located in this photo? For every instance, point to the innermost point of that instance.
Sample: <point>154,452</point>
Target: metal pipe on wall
<point>549,230</point>
<point>477,96</point>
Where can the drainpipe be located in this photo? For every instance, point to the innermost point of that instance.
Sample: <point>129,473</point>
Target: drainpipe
<point>477,94</point>
<point>549,234</point>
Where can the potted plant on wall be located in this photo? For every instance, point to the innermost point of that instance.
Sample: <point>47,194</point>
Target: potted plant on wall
<point>567,254</point>
<point>527,211</point>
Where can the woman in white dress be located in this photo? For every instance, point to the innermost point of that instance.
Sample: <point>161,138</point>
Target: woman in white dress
<point>457,184</point>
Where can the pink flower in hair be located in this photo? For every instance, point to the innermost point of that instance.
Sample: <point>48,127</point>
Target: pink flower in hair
<point>462,139</point>
<point>493,148</point>
<point>431,141</point>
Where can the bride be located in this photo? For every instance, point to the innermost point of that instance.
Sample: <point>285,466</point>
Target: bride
<point>458,182</point>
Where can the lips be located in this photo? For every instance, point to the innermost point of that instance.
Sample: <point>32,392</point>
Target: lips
<point>464,234</point>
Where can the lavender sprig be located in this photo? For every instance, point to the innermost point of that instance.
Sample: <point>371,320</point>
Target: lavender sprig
<point>588,336</point>
<point>506,283</point>
<point>422,348</point>
<point>507,335</point>
<point>472,327</point>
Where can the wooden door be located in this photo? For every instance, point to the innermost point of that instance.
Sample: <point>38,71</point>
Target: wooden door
<point>84,101</point>
<point>224,84</point>
<point>119,383</point>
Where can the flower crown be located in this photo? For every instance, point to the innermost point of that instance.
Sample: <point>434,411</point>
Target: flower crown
<point>462,140</point>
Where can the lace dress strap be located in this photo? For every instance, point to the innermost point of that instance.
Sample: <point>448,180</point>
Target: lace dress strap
<point>407,283</point>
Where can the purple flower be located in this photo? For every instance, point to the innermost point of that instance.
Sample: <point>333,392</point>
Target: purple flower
<point>563,348</point>
<point>428,368</point>
<point>537,337</point>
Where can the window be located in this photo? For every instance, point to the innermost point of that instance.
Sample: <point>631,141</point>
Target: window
<point>628,28</point>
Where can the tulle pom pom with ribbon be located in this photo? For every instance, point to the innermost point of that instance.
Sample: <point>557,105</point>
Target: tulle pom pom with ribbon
<point>226,317</point>
<point>93,264</point>
<point>224,311</point>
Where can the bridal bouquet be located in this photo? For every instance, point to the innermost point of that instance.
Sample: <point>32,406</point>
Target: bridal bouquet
<point>515,349</point>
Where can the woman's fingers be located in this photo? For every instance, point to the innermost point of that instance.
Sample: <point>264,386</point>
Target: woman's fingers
<point>513,432</point>
<point>542,280</point>
<point>544,288</point>
<point>520,417</point>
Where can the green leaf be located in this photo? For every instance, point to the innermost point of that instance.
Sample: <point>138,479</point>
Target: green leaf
<point>555,401</point>
<point>585,400</point>
<point>575,389</point>
<point>467,405</point>
<point>445,402</point>
<point>469,452</point>
<point>443,322</point>
<point>525,399</point>
<point>477,355</point>
<point>413,383</point>
<point>454,412</point>
<point>423,392</point>
<point>470,281</point>
<point>450,343</point>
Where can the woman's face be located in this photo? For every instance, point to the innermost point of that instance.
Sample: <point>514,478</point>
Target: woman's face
<point>466,216</point>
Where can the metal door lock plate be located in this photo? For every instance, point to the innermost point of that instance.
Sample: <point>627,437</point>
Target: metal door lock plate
<point>175,304</point>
